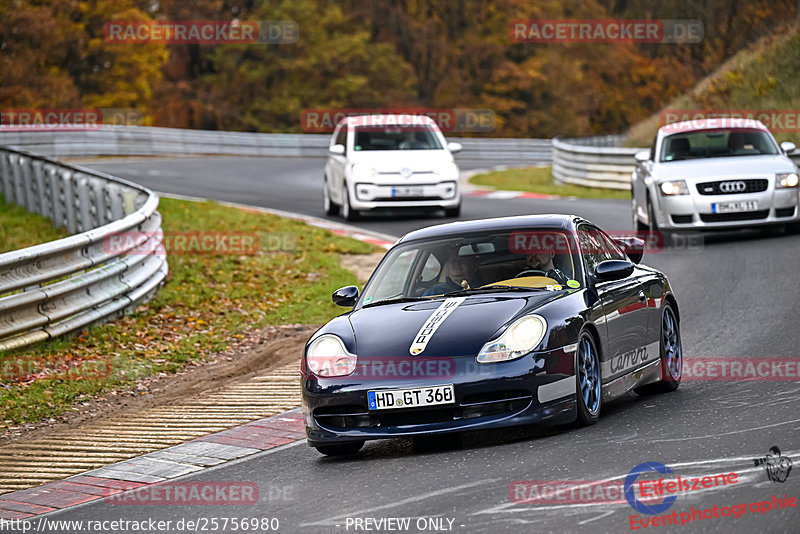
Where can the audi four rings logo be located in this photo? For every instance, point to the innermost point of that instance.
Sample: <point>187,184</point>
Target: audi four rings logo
<point>732,187</point>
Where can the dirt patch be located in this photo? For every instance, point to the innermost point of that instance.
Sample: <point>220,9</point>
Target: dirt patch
<point>259,351</point>
<point>361,264</point>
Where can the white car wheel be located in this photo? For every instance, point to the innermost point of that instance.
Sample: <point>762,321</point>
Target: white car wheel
<point>328,205</point>
<point>348,213</point>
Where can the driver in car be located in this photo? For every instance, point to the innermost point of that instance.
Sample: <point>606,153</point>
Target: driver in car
<point>541,264</point>
<point>461,272</point>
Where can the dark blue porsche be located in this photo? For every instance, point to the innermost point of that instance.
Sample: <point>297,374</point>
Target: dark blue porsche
<point>488,324</point>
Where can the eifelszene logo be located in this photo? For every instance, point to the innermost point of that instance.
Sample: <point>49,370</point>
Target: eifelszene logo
<point>630,496</point>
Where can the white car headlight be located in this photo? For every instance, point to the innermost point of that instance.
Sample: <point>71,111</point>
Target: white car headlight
<point>327,356</point>
<point>448,171</point>
<point>675,187</point>
<point>787,179</point>
<point>518,340</point>
<point>362,171</point>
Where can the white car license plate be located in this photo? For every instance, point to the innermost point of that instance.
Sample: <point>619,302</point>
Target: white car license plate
<point>407,191</point>
<point>385,399</point>
<point>733,207</point>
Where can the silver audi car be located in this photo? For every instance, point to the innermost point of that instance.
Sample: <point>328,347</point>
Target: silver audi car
<point>715,174</point>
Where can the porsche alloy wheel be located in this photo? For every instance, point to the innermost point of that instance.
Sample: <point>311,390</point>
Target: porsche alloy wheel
<point>671,356</point>
<point>588,377</point>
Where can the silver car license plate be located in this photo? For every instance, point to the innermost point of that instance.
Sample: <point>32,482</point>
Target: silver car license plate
<point>734,207</point>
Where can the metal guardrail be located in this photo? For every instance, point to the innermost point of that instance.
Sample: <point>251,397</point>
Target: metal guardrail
<point>151,141</point>
<point>599,162</point>
<point>590,161</point>
<point>55,288</point>
<point>582,162</point>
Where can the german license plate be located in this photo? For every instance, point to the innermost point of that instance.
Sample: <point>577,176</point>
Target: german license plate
<point>407,191</point>
<point>386,399</point>
<point>733,207</point>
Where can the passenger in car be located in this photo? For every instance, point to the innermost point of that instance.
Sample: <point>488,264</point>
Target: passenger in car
<point>461,272</point>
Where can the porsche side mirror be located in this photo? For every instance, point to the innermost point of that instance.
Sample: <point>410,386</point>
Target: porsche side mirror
<point>641,156</point>
<point>336,150</point>
<point>345,296</point>
<point>788,147</point>
<point>613,270</point>
<point>454,148</point>
<point>632,246</point>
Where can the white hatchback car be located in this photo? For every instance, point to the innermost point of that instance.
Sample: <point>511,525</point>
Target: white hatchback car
<point>700,176</point>
<point>390,161</point>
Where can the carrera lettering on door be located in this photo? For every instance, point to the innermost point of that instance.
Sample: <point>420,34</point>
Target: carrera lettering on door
<point>633,358</point>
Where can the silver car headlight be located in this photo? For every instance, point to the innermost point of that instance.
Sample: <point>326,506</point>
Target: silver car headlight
<point>674,187</point>
<point>786,179</point>
<point>327,356</point>
<point>518,340</point>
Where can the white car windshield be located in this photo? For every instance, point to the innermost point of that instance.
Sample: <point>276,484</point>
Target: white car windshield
<point>717,143</point>
<point>518,260</point>
<point>417,137</point>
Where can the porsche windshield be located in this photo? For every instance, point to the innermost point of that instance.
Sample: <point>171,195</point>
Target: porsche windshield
<point>531,259</point>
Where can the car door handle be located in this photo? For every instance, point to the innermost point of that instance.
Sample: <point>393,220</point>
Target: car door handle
<point>642,296</point>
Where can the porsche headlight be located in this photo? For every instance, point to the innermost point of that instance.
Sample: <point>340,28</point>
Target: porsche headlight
<point>327,356</point>
<point>787,179</point>
<point>518,340</point>
<point>675,187</point>
<point>362,171</point>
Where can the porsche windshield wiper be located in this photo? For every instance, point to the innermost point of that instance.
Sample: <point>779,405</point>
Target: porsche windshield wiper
<point>492,288</point>
<point>394,301</point>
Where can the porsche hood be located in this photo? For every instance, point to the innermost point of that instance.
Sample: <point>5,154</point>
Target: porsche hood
<point>456,326</point>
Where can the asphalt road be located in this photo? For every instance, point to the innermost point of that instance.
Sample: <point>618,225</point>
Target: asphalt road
<point>738,295</point>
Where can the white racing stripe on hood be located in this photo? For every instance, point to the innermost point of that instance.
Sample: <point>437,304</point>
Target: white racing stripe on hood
<point>433,323</point>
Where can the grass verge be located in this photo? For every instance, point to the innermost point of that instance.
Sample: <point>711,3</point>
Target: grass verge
<point>759,78</point>
<point>208,300</point>
<point>540,180</point>
<point>20,229</point>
